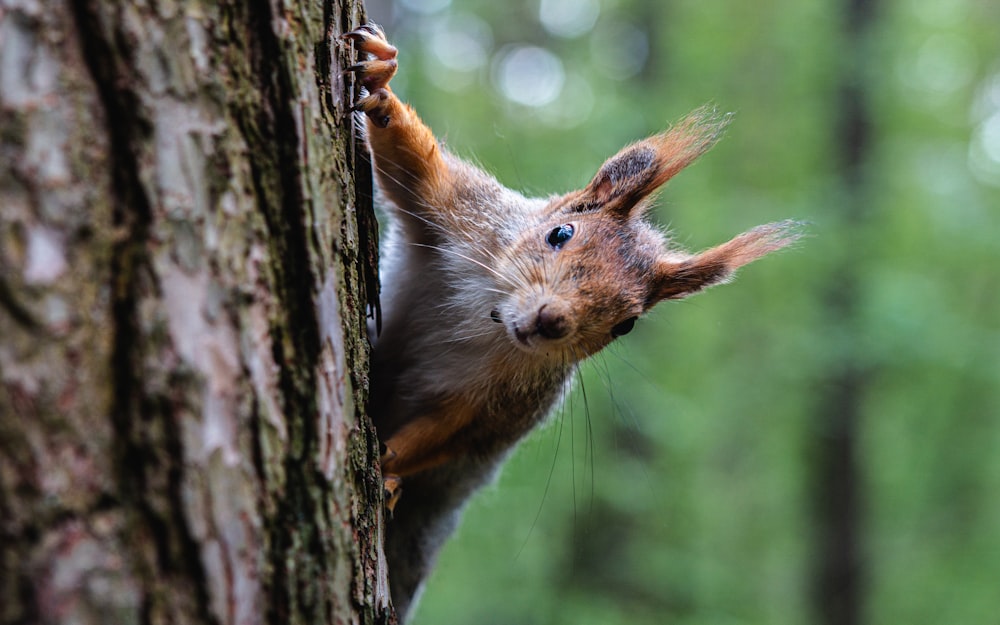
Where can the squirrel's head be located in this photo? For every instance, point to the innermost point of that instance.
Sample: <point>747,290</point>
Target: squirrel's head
<point>592,265</point>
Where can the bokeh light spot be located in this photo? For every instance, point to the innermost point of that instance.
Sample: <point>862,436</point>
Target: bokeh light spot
<point>529,75</point>
<point>568,18</point>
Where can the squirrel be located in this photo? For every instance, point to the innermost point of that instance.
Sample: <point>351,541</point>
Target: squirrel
<point>491,299</point>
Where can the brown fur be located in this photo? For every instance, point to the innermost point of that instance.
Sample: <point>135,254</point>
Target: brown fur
<point>487,311</point>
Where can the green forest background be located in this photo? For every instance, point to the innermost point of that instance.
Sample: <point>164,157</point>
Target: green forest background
<point>818,442</point>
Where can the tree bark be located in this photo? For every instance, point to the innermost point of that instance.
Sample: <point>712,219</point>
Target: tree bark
<point>185,261</point>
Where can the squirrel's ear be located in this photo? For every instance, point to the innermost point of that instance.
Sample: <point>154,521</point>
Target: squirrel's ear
<point>679,277</point>
<point>628,177</point>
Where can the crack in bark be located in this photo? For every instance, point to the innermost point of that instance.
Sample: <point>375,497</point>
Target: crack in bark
<point>367,229</point>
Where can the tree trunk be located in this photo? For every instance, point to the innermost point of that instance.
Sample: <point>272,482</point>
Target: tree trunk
<point>840,574</point>
<point>185,259</point>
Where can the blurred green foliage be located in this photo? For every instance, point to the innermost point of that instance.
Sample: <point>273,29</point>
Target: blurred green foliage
<point>677,484</point>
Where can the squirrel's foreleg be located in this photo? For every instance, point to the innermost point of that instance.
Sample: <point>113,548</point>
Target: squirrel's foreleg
<point>408,159</point>
<point>423,443</point>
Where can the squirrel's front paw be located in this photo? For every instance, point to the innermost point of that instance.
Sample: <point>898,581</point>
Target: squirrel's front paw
<point>391,483</point>
<point>375,73</point>
<point>392,486</point>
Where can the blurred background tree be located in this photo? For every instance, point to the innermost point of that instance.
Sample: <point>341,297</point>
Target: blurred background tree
<point>816,443</point>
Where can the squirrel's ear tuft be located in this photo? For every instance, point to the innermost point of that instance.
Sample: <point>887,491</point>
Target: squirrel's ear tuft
<point>677,278</point>
<point>627,178</point>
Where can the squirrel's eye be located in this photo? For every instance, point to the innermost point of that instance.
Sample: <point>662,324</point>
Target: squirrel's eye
<point>624,327</point>
<point>558,237</point>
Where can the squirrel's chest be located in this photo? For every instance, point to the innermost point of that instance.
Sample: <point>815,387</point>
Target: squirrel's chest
<point>510,409</point>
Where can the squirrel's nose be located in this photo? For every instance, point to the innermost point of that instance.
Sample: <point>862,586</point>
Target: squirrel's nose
<point>551,323</point>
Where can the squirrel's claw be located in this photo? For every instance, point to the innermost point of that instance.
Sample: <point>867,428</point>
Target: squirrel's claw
<point>374,74</point>
<point>388,453</point>
<point>392,488</point>
<point>370,38</point>
<point>391,483</point>
<point>371,105</point>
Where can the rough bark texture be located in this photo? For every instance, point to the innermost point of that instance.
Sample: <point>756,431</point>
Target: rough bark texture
<point>182,350</point>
